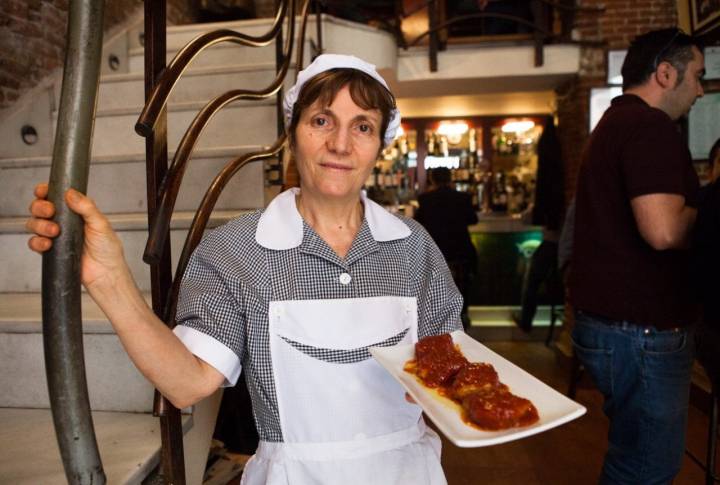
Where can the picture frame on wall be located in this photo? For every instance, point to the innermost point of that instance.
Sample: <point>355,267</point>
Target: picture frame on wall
<point>704,14</point>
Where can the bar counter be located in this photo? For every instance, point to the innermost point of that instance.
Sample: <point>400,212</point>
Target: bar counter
<point>504,245</point>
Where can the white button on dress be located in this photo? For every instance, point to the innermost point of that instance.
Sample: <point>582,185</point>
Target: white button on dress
<point>345,279</point>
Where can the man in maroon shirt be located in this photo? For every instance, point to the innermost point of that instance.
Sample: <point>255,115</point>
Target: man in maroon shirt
<point>629,280</point>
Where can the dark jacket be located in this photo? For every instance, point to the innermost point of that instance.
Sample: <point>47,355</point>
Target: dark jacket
<point>446,214</point>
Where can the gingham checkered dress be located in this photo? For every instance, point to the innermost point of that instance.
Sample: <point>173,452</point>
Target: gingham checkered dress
<point>231,279</point>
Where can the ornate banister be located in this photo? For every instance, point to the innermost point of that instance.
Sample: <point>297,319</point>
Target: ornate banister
<point>539,25</point>
<point>200,220</point>
<point>160,225</point>
<point>162,196</point>
<point>182,59</point>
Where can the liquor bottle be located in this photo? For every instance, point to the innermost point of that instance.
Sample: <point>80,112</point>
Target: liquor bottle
<point>472,149</point>
<point>444,147</point>
<point>430,137</point>
<point>499,201</point>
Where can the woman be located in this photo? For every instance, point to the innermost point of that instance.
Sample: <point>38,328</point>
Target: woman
<point>295,294</point>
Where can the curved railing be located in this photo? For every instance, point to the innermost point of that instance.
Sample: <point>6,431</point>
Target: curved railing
<point>539,25</point>
<point>202,216</point>
<point>160,225</point>
<point>173,72</point>
<point>61,310</point>
<point>162,197</point>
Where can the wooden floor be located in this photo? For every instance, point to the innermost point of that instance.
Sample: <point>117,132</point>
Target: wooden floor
<point>569,455</point>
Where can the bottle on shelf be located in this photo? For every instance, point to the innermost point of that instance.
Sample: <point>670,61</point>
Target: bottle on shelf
<point>499,198</point>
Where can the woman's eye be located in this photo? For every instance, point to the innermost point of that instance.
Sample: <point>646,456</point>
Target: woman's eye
<point>319,121</point>
<point>365,128</point>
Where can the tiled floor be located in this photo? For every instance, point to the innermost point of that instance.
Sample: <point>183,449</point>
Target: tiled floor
<point>569,455</point>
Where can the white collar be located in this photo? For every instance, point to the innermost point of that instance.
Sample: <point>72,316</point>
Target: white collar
<point>281,226</point>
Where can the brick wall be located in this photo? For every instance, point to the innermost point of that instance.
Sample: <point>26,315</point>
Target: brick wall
<point>621,21</point>
<point>32,38</point>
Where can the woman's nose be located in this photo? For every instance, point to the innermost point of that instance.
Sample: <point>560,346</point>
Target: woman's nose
<point>339,141</point>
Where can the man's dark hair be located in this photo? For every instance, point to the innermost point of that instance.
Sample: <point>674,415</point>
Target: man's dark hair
<point>648,50</point>
<point>441,176</point>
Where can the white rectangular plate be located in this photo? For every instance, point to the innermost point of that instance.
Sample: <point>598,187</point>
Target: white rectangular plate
<point>554,408</point>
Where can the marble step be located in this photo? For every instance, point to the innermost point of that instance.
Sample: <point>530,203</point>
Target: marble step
<point>114,384</point>
<point>22,268</point>
<point>129,445</point>
<point>195,85</point>
<point>339,37</point>
<point>239,123</point>
<point>179,36</point>
<point>215,56</point>
<point>117,182</point>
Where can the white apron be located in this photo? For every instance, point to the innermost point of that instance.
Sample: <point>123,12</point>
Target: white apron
<point>343,422</point>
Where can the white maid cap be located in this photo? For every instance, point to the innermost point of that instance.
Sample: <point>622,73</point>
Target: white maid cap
<point>325,62</point>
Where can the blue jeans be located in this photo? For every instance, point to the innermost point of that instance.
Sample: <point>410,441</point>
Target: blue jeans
<point>644,375</point>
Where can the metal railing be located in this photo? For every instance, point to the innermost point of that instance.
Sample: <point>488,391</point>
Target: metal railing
<point>61,310</point>
<point>540,25</point>
<point>164,182</point>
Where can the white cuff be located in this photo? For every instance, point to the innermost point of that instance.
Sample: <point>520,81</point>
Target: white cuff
<point>211,351</point>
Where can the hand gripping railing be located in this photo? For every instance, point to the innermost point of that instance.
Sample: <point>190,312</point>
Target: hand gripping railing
<point>61,310</point>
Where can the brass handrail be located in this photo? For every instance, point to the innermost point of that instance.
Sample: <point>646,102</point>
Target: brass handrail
<point>159,228</point>
<point>151,124</point>
<point>202,215</point>
<point>161,93</point>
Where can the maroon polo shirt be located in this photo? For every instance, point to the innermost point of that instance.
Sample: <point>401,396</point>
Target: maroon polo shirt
<point>634,150</point>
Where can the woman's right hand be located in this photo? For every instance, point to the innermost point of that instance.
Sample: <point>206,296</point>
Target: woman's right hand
<point>103,262</point>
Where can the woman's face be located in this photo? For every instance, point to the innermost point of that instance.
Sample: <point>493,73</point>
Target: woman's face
<point>336,147</point>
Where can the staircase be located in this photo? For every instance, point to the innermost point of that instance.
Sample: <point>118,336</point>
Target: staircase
<point>121,399</point>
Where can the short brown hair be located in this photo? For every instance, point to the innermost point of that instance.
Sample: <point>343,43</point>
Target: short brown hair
<point>365,91</point>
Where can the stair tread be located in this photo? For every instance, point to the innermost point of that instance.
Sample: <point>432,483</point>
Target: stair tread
<point>136,221</point>
<point>198,71</point>
<point>182,106</point>
<point>22,313</point>
<point>129,445</point>
<point>201,152</point>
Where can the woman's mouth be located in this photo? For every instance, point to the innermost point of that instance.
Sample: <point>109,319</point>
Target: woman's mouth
<point>335,166</point>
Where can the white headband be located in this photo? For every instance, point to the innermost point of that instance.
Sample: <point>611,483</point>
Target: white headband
<point>325,62</point>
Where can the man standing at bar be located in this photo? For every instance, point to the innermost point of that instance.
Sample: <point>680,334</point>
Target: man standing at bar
<point>629,280</point>
<point>446,214</point>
